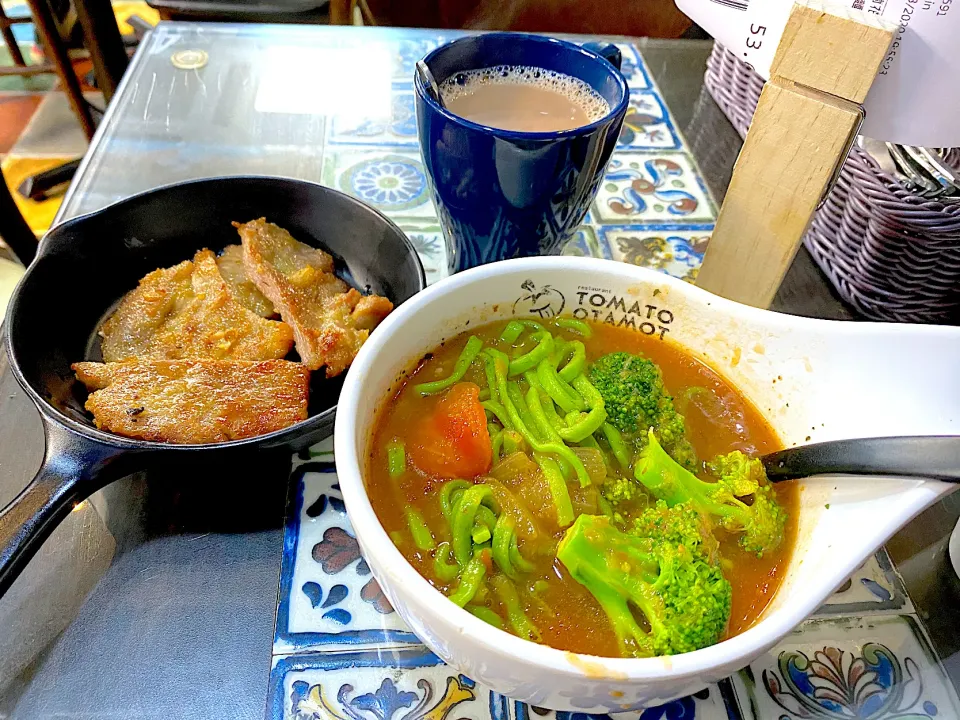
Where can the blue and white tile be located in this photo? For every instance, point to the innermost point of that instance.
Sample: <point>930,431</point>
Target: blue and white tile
<point>708,704</point>
<point>393,181</point>
<point>375,685</point>
<point>429,242</point>
<point>399,129</point>
<point>586,243</point>
<point>880,667</point>
<point>328,598</point>
<point>643,188</point>
<point>875,587</point>
<point>633,67</point>
<point>648,125</point>
<point>413,684</point>
<point>673,249</point>
<point>409,51</point>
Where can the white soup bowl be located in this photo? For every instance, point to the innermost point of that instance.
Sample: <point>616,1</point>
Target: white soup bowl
<point>813,380</point>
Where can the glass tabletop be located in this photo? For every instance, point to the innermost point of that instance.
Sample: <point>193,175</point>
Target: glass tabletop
<point>158,597</point>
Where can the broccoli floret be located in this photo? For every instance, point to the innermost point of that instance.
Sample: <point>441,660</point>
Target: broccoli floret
<point>619,490</point>
<point>739,472</point>
<point>684,599</point>
<point>759,522</point>
<point>681,525</point>
<point>625,496</point>
<point>635,399</point>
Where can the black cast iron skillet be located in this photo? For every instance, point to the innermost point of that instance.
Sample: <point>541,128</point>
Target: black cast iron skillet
<point>84,267</point>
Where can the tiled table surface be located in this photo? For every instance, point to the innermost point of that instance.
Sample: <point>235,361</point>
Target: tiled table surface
<point>339,651</point>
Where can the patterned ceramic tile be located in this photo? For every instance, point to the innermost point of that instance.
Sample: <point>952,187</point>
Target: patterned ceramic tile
<point>413,684</point>
<point>585,243</point>
<point>427,238</point>
<point>633,68</point>
<point>398,130</point>
<point>674,249</point>
<point>708,704</point>
<point>393,182</point>
<point>875,587</point>
<point>408,52</point>
<point>328,598</point>
<point>648,125</point>
<point>876,668</point>
<point>644,188</point>
<point>378,685</point>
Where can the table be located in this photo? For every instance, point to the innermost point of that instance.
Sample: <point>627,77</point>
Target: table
<point>181,624</point>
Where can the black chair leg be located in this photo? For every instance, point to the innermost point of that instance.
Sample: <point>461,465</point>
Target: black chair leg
<point>14,229</point>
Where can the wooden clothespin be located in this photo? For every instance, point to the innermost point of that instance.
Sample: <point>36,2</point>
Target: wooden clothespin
<point>806,121</point>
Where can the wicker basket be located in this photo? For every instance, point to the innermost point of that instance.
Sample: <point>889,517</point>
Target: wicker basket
<point>891,254</point>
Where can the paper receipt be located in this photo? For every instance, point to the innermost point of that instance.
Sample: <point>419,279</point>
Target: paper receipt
<point>915,99</point>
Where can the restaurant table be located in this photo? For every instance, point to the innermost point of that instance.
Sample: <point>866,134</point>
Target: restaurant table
<point>166,599</point>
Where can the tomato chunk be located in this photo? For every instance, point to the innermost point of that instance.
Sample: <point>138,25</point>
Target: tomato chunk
<point>453,441</point>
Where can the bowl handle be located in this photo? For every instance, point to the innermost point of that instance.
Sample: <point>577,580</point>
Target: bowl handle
<point>73,468</point>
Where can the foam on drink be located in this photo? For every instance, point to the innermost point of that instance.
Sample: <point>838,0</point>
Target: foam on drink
<point>523,98</point>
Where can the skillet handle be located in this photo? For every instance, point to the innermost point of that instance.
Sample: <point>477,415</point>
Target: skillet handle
<point>72,469</point>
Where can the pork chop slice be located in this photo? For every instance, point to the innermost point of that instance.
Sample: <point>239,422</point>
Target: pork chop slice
<point>195,401</point>
<point>330,320</point>
<point>189,311</point>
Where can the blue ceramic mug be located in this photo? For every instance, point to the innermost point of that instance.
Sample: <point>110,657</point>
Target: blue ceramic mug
<point>500,193</point>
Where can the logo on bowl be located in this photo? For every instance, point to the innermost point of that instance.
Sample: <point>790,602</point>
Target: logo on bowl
<point>604,305</point>
<point>547,301</point>
<point>597,304</point>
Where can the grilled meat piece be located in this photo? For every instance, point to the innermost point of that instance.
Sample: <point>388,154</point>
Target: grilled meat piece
<point>230,264</point>
<point>330,320</point>
<point>195,401</point>
<point>189,311</point>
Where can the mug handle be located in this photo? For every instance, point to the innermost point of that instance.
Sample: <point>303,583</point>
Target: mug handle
<point>608,51</point>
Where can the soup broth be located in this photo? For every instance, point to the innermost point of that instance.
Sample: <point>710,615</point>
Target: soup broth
<point>559,611</point>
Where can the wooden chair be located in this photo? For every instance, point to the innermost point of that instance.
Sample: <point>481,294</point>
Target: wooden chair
<point>56,62</point>
<point>101,37</point>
